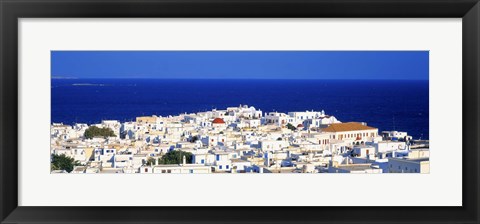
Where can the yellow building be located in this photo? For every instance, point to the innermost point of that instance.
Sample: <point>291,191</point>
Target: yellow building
<point>147,119</point>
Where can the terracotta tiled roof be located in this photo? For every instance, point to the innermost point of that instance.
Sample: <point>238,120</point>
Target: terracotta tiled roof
<point>218,121</point>
<point>349,126</point>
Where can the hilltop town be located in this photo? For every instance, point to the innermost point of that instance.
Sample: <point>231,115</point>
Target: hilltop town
<point>237,140</point>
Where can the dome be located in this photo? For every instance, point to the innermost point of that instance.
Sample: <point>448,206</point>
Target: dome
<point>218,121</point>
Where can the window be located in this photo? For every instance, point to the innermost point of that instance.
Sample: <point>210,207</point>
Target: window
<point>146,170</point>
<point>164,171</point>
<point>203,161</point>
<point>227,167</point>
<point>220,167</point>
<point>218,157</point>
<point>169,171</point>
<point>191,171</point>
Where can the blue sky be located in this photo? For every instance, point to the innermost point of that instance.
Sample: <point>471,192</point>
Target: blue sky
<point>404,65</point>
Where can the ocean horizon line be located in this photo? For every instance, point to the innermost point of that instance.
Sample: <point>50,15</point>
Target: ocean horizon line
<point>148,78</point>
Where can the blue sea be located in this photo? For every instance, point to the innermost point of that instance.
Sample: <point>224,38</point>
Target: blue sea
<point>387,105</point>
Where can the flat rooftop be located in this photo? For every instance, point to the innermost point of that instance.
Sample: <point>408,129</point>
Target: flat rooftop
<point>239,161</point>
<point>355,167</point>
<point>412,159</point>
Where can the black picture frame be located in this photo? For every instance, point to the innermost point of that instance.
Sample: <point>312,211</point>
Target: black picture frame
<point>12,10</point>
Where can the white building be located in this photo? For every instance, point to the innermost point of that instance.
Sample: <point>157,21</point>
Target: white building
<point>387,146</point>
<point>279,119</point>
<point>409,165</point>
<point>240,165</point>
<point>205,158</point>
<point>321,122</point>
<point>364,151</point>
<point>219,123</point>
<point>222,161</point>
<point>251,123</point>
<point>273,145</point>
<point>396,136</point>
<point>104,155</point>
<point>180,169</point>
<point>244,111</point>
<point>352,132</point>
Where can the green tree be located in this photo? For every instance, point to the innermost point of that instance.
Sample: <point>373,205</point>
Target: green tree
<point>175,157</point>
<point>150,161</point>
<point>291,127</point>
<point>94,131</point>
<point>63,162</point>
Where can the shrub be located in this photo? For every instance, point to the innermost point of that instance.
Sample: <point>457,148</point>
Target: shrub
<point>94,131</point>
